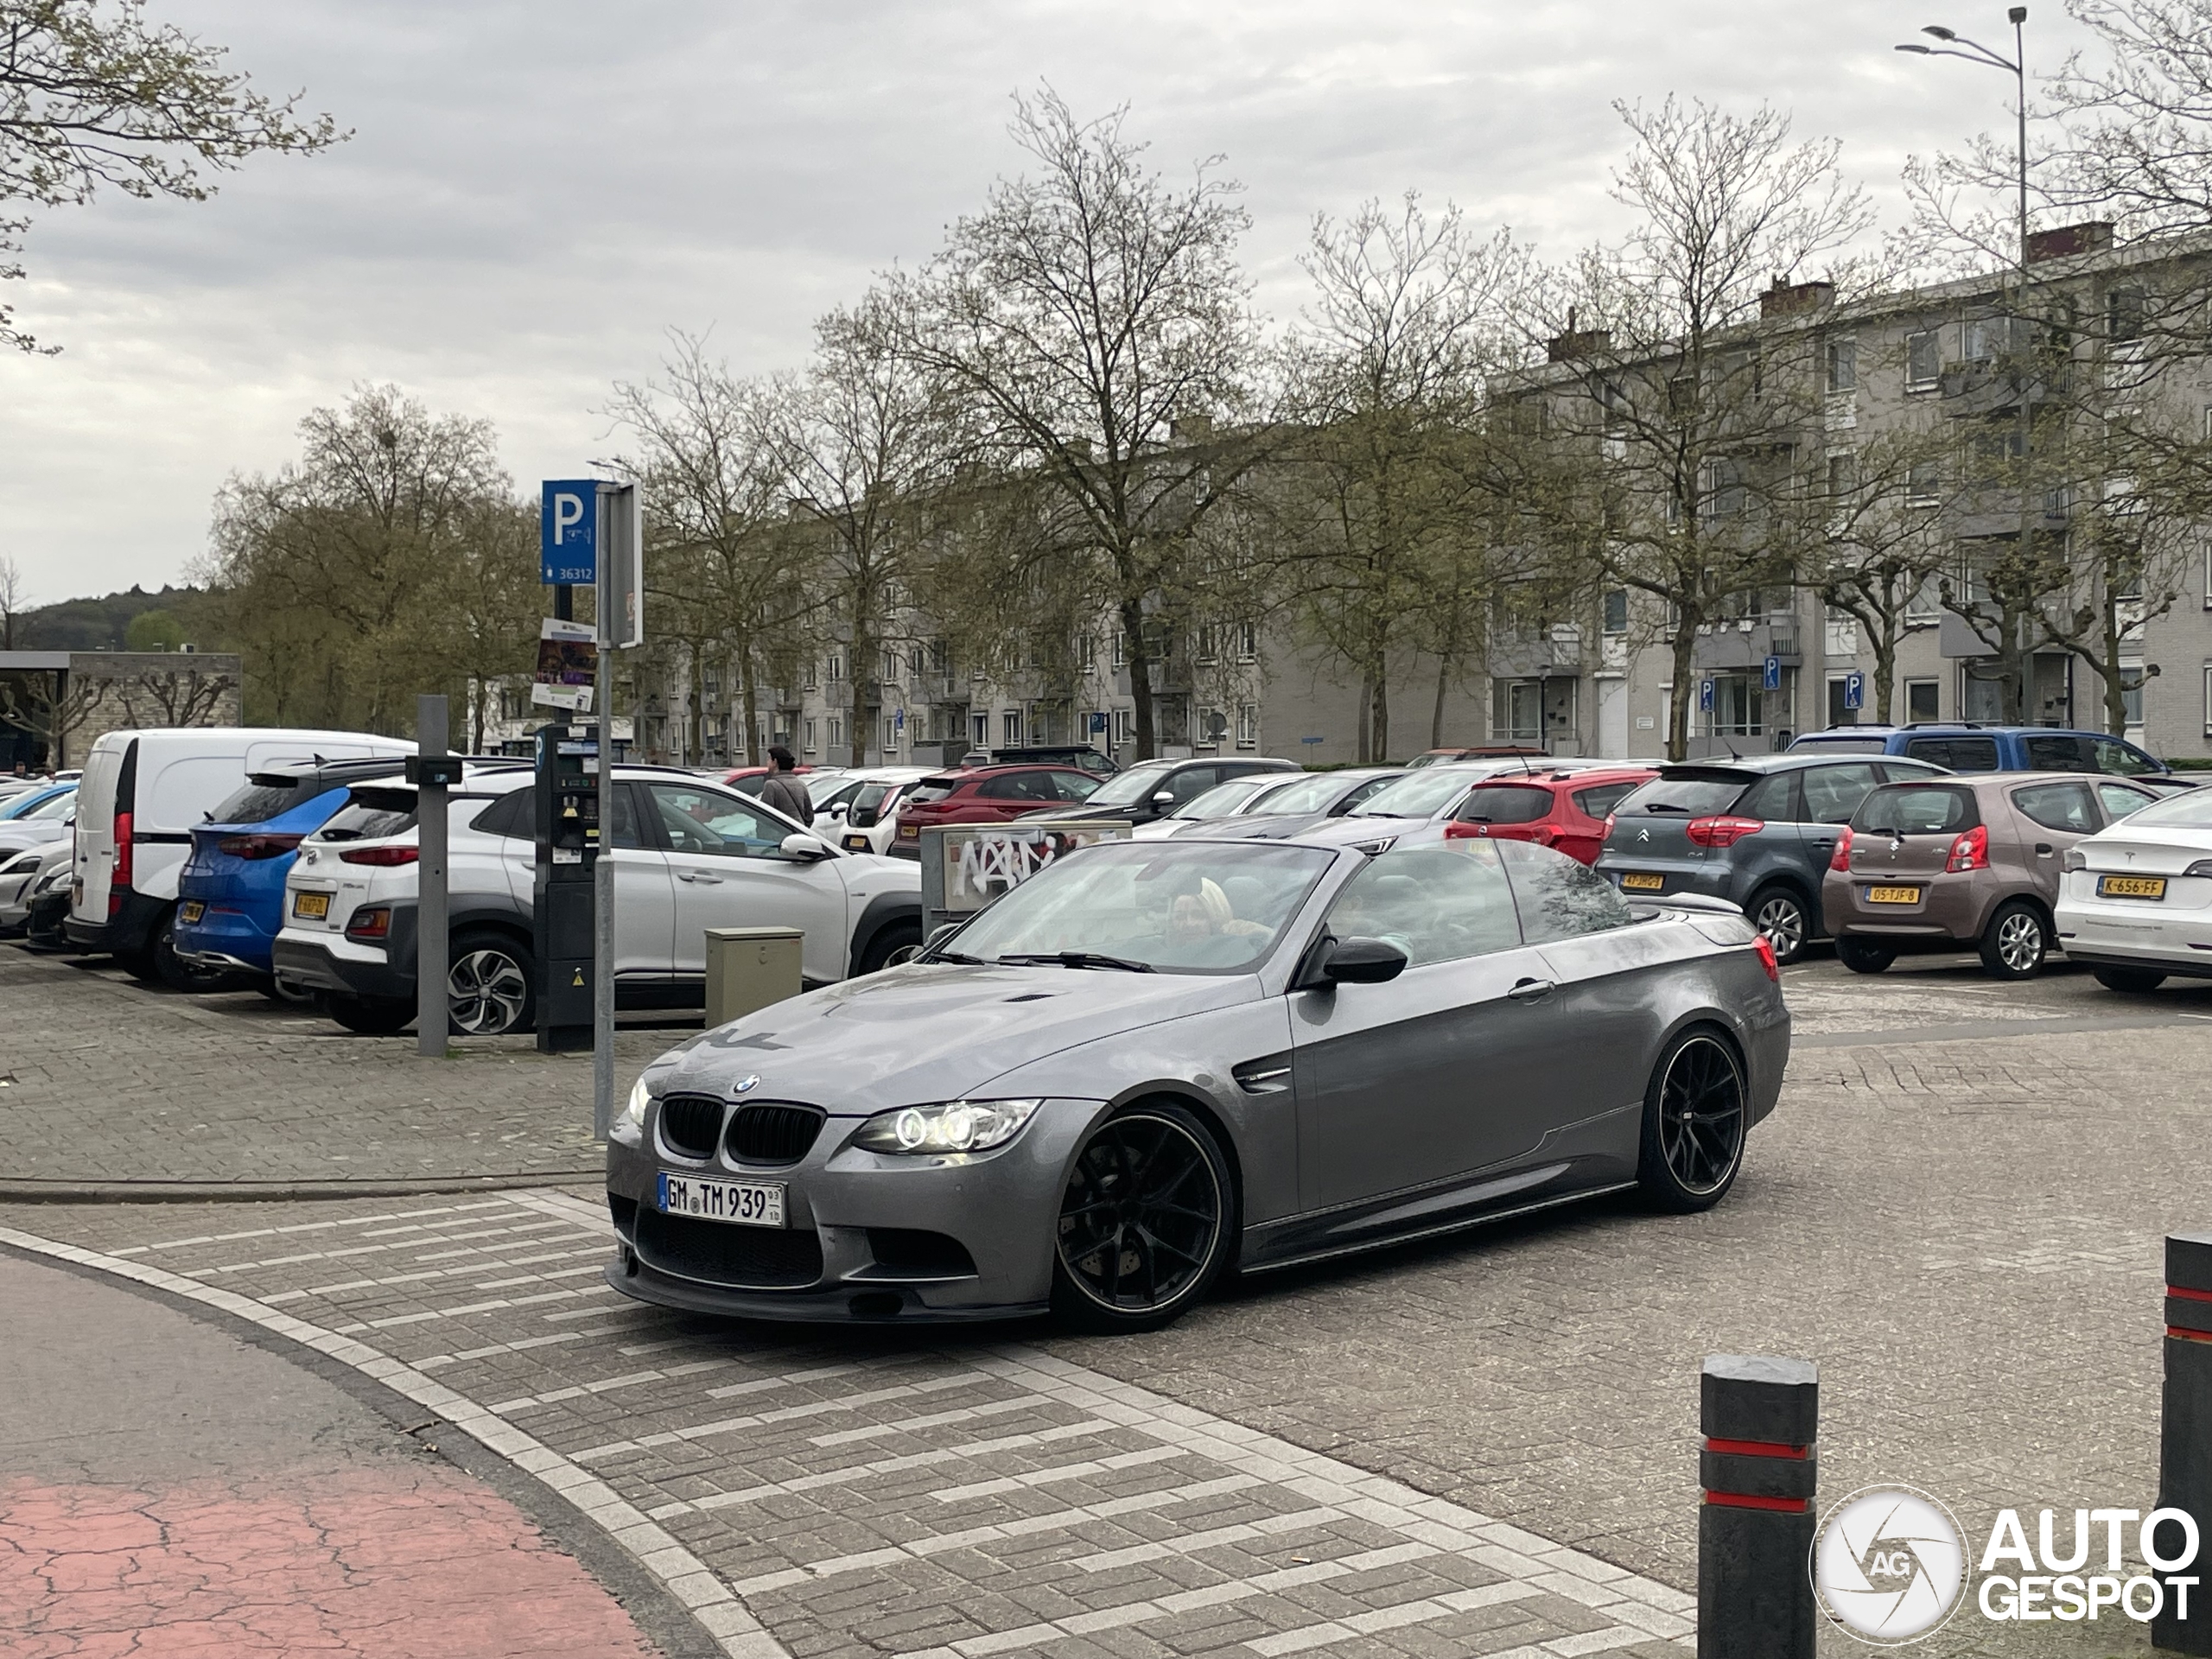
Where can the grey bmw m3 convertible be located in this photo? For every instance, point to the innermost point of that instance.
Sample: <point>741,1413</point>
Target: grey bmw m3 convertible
<point>1156,1062</point>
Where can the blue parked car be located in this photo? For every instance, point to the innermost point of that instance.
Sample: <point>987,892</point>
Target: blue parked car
<point>1962,746</point>
<point>230,891</point>
<point>17,806</point>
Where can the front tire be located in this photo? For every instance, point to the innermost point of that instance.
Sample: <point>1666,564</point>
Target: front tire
<point>894,943</point>
<point>1696,1109</point>
<point>2133,982</point>
<point>1862,958</point>
<point>1146,1223</point>
<point>2016,940</point>
<point>1780,914</point>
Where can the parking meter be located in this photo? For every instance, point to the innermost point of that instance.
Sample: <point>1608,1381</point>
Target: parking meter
<point>561,912</point>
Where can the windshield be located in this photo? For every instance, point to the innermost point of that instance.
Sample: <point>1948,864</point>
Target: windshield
<point>1222,800</point>
<point>828,788</point>
<point>1208,907</point>
<point>1418,796</point>
<point>1687,793</point>
<point>59,807</point>
<point>1506,804</point>
<point>2191,808</point>
<point>1137,783</point>
<point>33,804</point>
<point>1314,794</point>
<point>1918,810</point>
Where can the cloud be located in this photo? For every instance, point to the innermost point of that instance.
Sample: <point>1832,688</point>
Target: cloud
<point>534,193</point>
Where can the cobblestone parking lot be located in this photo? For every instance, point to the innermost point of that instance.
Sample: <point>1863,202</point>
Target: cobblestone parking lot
<point>1482,1446</point>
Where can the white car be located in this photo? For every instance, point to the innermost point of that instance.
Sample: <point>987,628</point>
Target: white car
<point>689,855</point>
<point>21,874</point>
<point>1227,800</point>
<point>2135,898</point>
<point>863,816</point>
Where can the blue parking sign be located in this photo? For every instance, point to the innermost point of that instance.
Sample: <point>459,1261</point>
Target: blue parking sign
<point>1855,689</point>
<point>568,532</point>
<point>1705,695</point>
<point>1774,673</point>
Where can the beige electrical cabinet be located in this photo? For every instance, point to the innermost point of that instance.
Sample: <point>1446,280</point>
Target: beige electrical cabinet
<point>749,967</point>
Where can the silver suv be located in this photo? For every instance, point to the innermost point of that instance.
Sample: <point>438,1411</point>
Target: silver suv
<point>689,855</point>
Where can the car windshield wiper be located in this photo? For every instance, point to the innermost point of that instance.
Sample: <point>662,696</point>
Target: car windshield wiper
<point>1081,959</point>
<point>953,955</point>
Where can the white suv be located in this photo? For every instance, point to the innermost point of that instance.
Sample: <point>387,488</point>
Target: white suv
<point>688,854</point>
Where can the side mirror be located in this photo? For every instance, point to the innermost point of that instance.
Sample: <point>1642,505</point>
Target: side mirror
<point>1164,800</point>
<point>942,932</point>
<point>1352,961</point>
<point>803,847</point>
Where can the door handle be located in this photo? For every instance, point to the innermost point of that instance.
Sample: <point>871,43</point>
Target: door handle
<point>2043,849</point>
<point>1528,990</point>
<point>699,876</point>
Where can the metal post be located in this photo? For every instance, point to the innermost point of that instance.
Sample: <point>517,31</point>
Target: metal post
<point>2185,1444</point>
<point>602,909</point>
<point>431,964</point>
<point>1760,1417</point>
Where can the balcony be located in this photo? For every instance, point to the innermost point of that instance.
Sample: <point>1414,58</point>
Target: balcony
<point>1747,641</point>
<point>1554,652</point>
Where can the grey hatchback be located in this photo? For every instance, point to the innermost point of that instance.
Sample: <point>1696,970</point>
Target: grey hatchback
<point>1758,832</point>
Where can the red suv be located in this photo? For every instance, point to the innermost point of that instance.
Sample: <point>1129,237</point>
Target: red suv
<point>987,795</point>
<point>1565,810</point>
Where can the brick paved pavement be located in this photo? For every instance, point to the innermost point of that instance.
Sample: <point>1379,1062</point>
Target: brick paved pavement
<point>1956,1211</point>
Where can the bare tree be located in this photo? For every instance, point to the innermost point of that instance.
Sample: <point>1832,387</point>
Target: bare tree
<point>1691,418</point>
<point>92,95</point>
<point>1888,542</point>
<point>13,591</point>
<point>1091,321</point>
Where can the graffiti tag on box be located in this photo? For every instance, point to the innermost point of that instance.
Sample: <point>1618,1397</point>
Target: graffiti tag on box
<point>981,864</point>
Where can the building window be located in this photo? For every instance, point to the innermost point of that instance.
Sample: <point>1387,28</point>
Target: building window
<point>1843,366</point>
<point>1923,700</point>
<point>1121,649</point>
<point>836,732</point>
<point>979,731</point>
<point>1125,723</point>
<point>891,734</point>
<point>1838,715</point>
<point>1736,710</point>
<point>1616,610</point>
<point>2207,699</point>
<point>836,669</point>
<point>1248,642</point>
<point>2130,694</point>
<point>1923,485</point>
<point>2124,312</point>
<point>807,728</point>
<point>810,684</point>
<point>1923,360</point>
<point>1516,711</point>
<point>1209,645</point>
<point>1010,726</point>
<point>1247,725</point>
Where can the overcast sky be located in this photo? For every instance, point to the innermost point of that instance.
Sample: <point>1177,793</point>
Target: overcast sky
<point>535,193</point>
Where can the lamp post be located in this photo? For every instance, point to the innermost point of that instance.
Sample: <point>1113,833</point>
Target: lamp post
<point>2015,65</point>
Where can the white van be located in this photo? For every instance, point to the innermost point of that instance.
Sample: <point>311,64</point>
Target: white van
<point>142,793</point>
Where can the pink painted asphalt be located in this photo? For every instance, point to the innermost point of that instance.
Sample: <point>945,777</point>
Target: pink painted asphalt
<point>169,1492</point>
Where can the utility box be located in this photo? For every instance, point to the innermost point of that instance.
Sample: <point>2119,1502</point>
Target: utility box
<point>749,967</point>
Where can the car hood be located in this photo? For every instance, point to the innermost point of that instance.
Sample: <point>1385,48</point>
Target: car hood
<point>930,1031</point>
<point>36,832</point>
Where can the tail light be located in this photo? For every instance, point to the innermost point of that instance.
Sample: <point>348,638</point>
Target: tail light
<point>1456,831</point>
<point>1767,958</point>
<point>1841,859</point>
<point>1725,831</point>
<point>373,923</point>
<point>258,846</point>
<point>119,873</point>
<point>1608,830</point>
<point>1969,852</point>
<point>384,857</point>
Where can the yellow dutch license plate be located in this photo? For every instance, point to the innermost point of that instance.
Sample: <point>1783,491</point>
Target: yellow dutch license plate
<point>856,843</point>
<point>1642,881</point>
<point>1893,895</point>
<point>2130,887</point>
<point>910,832</point>
<point>311,906</point>
<point>190,911</point>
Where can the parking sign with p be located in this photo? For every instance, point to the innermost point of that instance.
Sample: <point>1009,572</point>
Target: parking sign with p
<point>567,533</point>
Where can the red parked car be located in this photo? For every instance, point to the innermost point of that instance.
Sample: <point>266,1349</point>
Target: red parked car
<point>987,795</point>
<point>1565,810</point>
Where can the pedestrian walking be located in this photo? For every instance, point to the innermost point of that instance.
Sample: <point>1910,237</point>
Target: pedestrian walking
<point>782,791</point>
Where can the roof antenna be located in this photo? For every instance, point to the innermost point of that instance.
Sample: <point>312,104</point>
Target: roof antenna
<point>1731,747</point>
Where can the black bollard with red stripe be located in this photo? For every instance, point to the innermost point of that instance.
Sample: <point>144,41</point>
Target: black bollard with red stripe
<point>1761,1417</point>
<point>2185,1437</point>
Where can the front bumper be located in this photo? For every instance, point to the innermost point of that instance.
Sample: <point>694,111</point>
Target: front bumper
<point>997,1211</point>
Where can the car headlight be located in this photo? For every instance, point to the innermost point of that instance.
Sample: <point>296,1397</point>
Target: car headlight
<point>630,1125</point>
<point>2075,859</point>
<point>949,1126</point>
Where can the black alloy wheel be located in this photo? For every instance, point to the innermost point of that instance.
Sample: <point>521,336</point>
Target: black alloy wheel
<point>1780,914</point>
<point>1144,1221</point>
<point>1695,1113</point>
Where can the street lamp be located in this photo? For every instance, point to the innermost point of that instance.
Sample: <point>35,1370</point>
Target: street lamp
<point>2016,66</point>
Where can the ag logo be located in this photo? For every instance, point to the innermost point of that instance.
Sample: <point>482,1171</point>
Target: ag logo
<point>1889,1563</point>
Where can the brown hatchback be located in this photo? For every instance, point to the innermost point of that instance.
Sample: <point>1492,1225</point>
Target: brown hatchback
<point>1963,861</point>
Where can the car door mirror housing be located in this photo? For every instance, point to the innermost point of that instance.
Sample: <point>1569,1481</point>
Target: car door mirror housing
<point>1352,961</point>
<point>1164,800</point>
<point>803,847</point>
<point>938,934</point>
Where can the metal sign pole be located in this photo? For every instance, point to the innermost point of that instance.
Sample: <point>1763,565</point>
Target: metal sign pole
<point>431,964</point>
<point>602,909</point>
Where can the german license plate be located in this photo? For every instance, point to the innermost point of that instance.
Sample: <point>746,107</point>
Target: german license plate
<point>1642,881</point>
<point>749,1203</point>
<point>311,906</point>
<point>191,911</point>
<point>856,843</point>
<point>2130,887</point>
<point>1893,895</point>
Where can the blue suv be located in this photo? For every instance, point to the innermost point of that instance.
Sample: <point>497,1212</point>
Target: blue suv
<point>1961,745</point>
<point>230,891</point>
